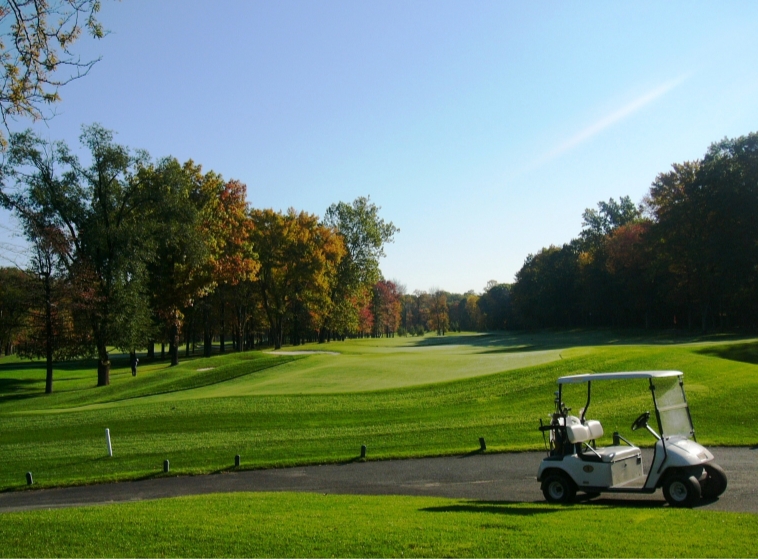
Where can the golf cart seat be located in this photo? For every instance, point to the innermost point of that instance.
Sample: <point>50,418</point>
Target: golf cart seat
<point>591,430</point>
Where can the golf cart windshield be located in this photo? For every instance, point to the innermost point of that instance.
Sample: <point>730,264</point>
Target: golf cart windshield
<point>672,407</point>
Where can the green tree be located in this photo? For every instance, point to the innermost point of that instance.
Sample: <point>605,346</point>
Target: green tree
<point>97,209</point>
<point>364,235</point>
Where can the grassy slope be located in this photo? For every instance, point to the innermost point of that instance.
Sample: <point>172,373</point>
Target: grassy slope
<point>200,425</point>
<point>309,525</point>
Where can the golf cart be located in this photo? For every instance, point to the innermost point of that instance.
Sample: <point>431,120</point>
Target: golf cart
<point>682,467</point>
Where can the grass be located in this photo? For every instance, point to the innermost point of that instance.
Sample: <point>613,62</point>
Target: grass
<point>314,525</point>
<point>286,410</point>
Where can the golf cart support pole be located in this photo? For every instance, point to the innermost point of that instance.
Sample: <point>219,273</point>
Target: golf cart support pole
<point>689,414</point>
<point>587,405</point>
<point>660,425</point>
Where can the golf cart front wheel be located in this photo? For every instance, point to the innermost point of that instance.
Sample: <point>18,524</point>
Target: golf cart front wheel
<point>714,483</point>
<point>558,489</point>
<point>681,490</point>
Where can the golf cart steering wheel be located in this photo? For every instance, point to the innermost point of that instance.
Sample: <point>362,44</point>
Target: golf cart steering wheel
<point>641,421</point>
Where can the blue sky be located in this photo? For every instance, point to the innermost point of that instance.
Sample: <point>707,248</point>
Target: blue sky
<point>482,129</point>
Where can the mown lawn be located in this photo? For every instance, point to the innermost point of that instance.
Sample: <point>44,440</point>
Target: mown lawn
<point>313,525</point>
<point>284,410</point>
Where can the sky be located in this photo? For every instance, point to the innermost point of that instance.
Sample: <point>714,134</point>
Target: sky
<point>482,129</point>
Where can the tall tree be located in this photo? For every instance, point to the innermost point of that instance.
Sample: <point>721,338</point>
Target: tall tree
<point>97,209</point>
<point>51,331</point>
<point>364,235</point>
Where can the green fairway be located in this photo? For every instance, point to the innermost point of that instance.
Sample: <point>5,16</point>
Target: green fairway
<point>309,525</point>
<point>278,410</point>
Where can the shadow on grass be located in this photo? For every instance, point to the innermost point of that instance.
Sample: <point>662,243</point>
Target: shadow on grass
<point>493,507</point>
<point>12,389</point>
<point>525,341</point>
<point>745,353</point>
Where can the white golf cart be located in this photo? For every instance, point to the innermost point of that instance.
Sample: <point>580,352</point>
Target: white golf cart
<point>682,467</point>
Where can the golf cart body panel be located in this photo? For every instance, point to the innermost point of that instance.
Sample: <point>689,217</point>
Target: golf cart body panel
<point>574,462</point>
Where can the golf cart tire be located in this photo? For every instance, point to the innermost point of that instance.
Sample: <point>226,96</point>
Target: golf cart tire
<point>558,489</point>
<point>681,490</point>
<point>715,482</point>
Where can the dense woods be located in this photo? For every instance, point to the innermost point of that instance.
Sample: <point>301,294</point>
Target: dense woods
<point>130,252</point>
<point>685,257</point>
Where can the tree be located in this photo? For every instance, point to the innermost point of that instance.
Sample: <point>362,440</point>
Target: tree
<point>494,305</point>
<point>13,306</point>
<point>298,265</point>
<point>51,332</point>
<point>438,313</point>
<point>386,308</point>
<point>596,224</point>
<point>36,52</point>
<point>98,212</point>
<point>191,231</point>
<point>364,235</point>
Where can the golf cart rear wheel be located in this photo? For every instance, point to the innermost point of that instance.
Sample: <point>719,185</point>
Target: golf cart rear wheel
<point>681,490</point>
<point>714,483</point>
<point>558,489</point>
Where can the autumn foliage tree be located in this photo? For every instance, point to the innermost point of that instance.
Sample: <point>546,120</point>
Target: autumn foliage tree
<point>298,260</point>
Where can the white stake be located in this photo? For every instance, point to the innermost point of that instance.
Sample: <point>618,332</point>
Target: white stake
<point>108,442</point>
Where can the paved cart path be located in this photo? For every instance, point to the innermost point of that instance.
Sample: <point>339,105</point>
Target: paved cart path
<point>491,477</point>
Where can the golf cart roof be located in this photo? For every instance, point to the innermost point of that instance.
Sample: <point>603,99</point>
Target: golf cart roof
<point>576,379</point>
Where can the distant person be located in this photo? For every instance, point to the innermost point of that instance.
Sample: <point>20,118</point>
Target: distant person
<point>134,362</point>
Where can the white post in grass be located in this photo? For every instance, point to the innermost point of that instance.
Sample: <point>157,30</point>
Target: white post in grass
<point>108,442</point>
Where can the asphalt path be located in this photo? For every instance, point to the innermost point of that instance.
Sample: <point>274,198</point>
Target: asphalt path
<point>509,477</point>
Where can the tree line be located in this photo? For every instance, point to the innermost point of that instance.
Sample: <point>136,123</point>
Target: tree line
<point>128,251</point>
<point>685,257</point>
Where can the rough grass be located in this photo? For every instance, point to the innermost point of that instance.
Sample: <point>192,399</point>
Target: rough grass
<point>201,419</point>
<point>310,525</point>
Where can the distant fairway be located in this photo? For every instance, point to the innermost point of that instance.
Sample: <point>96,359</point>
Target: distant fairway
<point>368,364</point>
<point>401,397</point>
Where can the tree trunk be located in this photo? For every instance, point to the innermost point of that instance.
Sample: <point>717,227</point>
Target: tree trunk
<point>151,349</point>
<point>173,344</point>
<point>48,336</point>
<point>278,331</point>
<point>221,336</point>
<point>207,337</point>
<point>103,366</point>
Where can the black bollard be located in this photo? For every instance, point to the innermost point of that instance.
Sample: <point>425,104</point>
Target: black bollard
<point>29,479</point>
<point>237,461</point>
<point>363,451</point>
<point>482,444</point>
<point>165,466</point>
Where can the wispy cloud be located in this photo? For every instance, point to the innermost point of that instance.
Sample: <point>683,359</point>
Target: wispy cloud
<point>606,122</point>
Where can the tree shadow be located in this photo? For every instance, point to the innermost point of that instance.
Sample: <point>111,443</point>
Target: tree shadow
<point>744,353</point>
<point>492,507</point>
<point>12,389</point>
<point>512,341</point>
